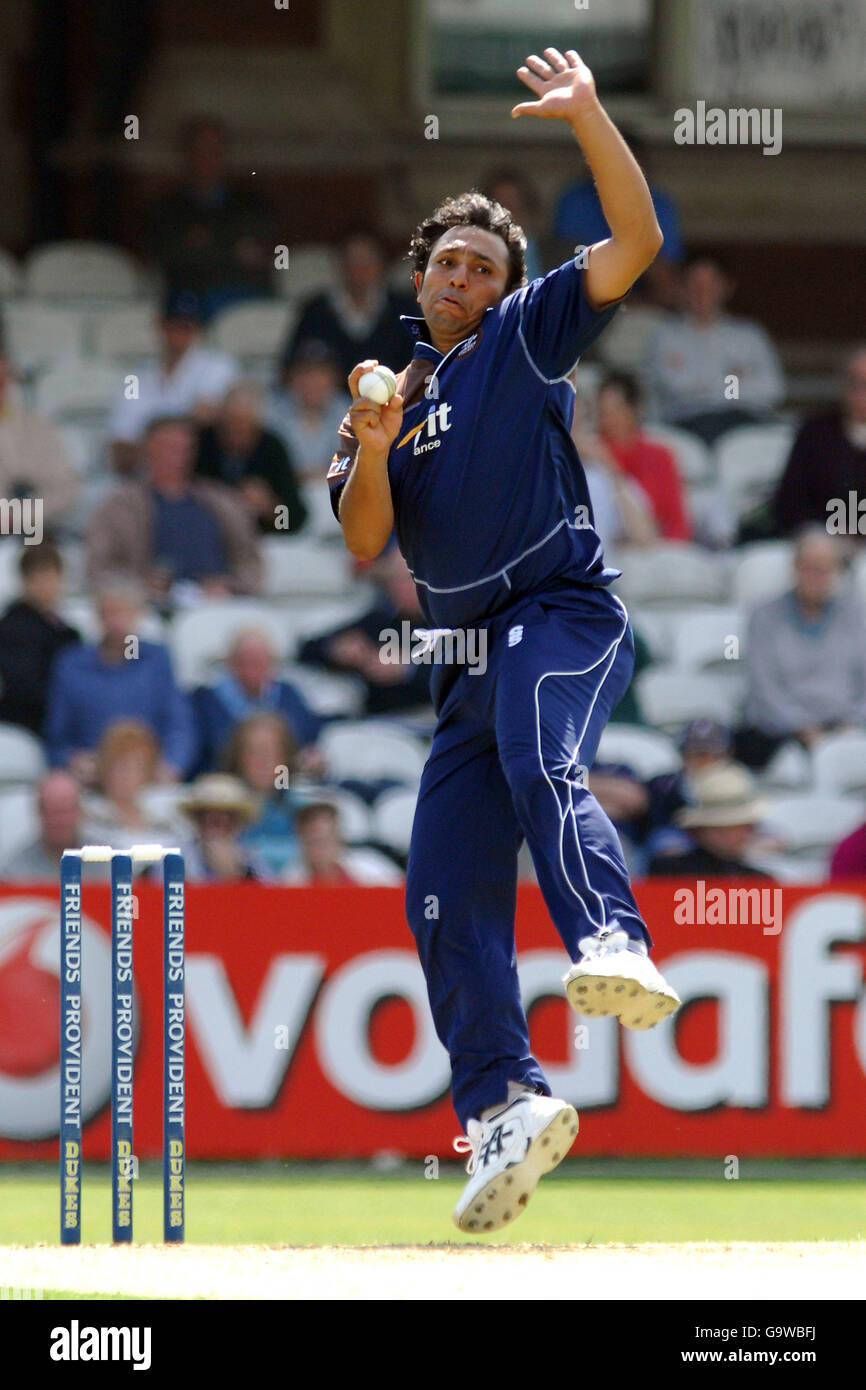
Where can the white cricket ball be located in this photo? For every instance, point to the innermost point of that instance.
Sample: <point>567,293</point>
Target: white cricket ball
<point>378,385</point>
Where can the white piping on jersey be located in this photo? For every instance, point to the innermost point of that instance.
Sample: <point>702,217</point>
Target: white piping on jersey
<point>498,574</point>
<point>609,656</point>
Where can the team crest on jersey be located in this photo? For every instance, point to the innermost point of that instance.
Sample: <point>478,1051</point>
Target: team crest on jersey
<point>339,465</point>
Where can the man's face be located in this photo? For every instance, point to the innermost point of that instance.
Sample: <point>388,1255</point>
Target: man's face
<point>118,616</point>
<point>467,273</point>
<point>320,841</point>
<point>817,569</point>
<point>616,418</point>
<point>168,457</point>
<point>178,335</point>
<point>59,811</point>
<point>252,663</point>
<point>728,841</point>
<point>855,389</point>
<point>362,265</point>
<point>706,289</point>
<point>314,385</point>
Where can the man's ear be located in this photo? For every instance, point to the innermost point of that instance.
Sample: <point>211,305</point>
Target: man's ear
<point>419,280</point>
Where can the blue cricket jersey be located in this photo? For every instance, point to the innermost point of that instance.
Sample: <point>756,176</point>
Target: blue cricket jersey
<point>490,497</point>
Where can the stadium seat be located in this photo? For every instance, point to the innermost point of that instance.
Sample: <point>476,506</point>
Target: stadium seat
<point>654,626</point>
<point>312,267</point>
<point>694,460</point>
<point>19,820</point>
<point>78,392</point>
<point>701,639</point>
<point>81,613</point>
<point>714,520</point>
<point>10,274</point>
<point>321,522</point>
<point>10,582</point>
<point>371,749</point>
<point>22,760</point>
<point>296,566</point>
<point>253,332</point>
<point>125,337</point>
<point>85,445</point>
<point>811,824</point>
<point>647,752</point>
<point>392,819</point>
<point>200,636</point>
<point>761,572</point>
<point>839,764</point>
<point>40,335</point>
<point>71,270</point>
<point>789,769</point>
<point>331,695</point>
<point>750,460</point>
<point>669,574</point>
<point>670,696</point>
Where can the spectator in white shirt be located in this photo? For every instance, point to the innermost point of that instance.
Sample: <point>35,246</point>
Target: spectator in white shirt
<point>188,380</point>
<point>708,372</point>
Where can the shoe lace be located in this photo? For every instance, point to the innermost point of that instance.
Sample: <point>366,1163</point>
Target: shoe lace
<point>470,1143</point>
<point>603,943</point>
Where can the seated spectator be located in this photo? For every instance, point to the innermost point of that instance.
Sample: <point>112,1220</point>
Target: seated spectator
<point>127,762</point>
<point>219,807</point>
<point>721,824</point>
<point>699,357</point>
<point>32,632</point>
<point>119,677</point>
<point>238,451</point>
<point>849,856</point>
<point>324,857</point>
<point>261,754</point>
<point>650,464</point>
<point>188,380</point>
<point>359,317</point>
<point>60,828</point>
<point>170,529</point>
<point>251,686</point>
<point>34,463</point>
<point>514,191</point>
<point>308,411</point>
<point>621,511</point>
<point>805,656</point>
<point>827,459</point>
<point>209,236</point>
<point>356,647</point>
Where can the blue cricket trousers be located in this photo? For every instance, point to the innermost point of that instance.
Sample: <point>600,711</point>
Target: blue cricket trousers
<point>508,762</point>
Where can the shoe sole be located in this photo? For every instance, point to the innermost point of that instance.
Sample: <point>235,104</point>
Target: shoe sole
<point>505,1197</point>
<point>619,996</point>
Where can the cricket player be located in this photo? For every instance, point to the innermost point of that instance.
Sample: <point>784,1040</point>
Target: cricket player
<point>473,464</point>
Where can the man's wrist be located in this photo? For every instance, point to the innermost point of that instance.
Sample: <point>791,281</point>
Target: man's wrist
<point>587,117</point>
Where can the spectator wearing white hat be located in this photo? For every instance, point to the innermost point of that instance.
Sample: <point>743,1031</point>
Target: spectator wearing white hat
<point>721,822</point>
<point>219,807</point>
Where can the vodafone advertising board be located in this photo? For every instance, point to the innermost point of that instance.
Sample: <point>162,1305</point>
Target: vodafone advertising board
<point>309,1032</point>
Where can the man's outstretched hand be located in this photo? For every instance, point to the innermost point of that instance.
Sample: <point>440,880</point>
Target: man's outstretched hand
<point>564,85</point>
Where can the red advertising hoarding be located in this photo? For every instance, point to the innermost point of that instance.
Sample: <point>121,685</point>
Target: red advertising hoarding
<point>309,1032</point>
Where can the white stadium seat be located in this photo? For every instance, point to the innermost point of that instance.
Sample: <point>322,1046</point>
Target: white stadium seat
<point>80,270</point>
<point>331,695</point>
<point>762,571</point>
<point>19,820</point>
<point>78,391</point>
<point>789,769</point>
<point>312,267</point>
<point>21,757</point>
<point>39,335</point>
<point>647,752</point>
<point>702,639</point>
<point>297,565</point>
<point>201,636</point>
<point>321,522</point>
<point>809,823</point>
<point>750,460</point>
<point>253,331</point>
<point>126,336</point>
<point>670,574</point>
<point>694,460</point>
<point>839,764</point>
<point>370,749</point>
<point>670,696</point>
<point>393,813</point>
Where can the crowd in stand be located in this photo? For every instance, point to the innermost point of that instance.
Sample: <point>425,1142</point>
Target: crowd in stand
<point>205,465</point>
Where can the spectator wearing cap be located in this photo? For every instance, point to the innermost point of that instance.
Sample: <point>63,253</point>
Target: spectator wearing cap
<point>219,807</point>
<point>33,458</point>
<point>308,411</point>
<point>188,379</point>
<point>32,634</point>
<point>179,536</point>
<point>119,677</point>
<point>721,823</point>
<point>325,859</point>
<point>239,451</point>
<point>250,685</point>
<point>805,656</point>
<point>649,464</point>
<point>212,236</point>
<point>359,316</point>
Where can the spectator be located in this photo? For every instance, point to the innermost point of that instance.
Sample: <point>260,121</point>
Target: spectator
<point>722,827</point>
<point>359,317</point>
<point>828,457</point>
<point>261,754</point>
<point>849,856</point>
<point>240,452</point>
<point>698,358</point>
<point>251,686</point>
<point>514,191</point>
<point>60,828</point>
<point>308,411</point>
<point>120,677</point>
<point>326,860</point>
<point>187,380</point>
<point>168,528</point>
<point>210,237</point>
<point>621,511</point>
<point>127,759</point>
<point>33,461</point>
<point>219,807</point>
<point>805,656</point>
<point>355,647</point>
<point>32,633</point>
<point>650,464</point>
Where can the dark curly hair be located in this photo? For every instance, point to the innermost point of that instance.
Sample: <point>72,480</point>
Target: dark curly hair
<point>472,209</point>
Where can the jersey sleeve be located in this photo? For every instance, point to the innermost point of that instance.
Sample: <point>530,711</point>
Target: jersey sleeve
<point>556,323</point>
<point>342,462</point>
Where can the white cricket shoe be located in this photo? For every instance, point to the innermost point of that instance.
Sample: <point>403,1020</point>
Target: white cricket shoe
<point>508,1153</point>
<point>610,979</point>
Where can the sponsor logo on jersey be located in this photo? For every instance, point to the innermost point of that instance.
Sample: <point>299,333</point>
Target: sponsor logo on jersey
<point>470,345</point>
<point>427,435</point>
<point>340,464</point>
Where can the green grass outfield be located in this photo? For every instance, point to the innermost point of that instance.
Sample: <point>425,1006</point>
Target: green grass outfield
<point>591,1202</point>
